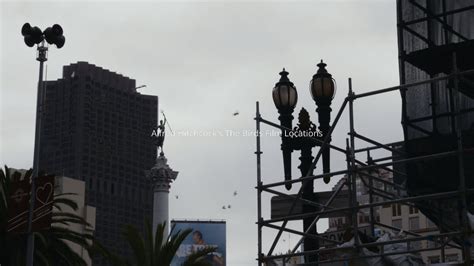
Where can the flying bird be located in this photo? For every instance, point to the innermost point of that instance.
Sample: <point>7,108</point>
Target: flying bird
<point>223,207</point>
<point>176,196</point>
<point>236,113</point>
<point>228,207</point>
<point>235,193</point>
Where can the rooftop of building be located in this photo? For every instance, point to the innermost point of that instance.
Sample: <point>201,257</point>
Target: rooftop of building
<point>98,74</point>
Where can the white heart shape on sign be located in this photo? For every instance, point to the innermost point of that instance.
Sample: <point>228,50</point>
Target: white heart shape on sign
<point>48,189</point>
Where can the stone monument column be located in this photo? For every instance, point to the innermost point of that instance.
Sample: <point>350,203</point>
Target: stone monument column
<point>162,176</point>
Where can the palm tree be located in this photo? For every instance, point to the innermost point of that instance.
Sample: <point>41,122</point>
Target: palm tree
<point>160,249</point>
<point>51,246</point>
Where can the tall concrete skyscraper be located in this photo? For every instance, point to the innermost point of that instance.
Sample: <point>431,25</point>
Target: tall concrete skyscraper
<point>97,128</point>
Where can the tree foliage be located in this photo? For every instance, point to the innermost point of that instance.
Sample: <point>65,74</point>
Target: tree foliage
<point>159,248</point>
<point>52,246</point>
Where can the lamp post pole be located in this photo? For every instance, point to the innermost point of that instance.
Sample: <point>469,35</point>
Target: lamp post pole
<point>285,97</point>
<point>286,121</point>
<point>306,144</point>
<point>324,115</point>
<point>32,36</point>
<point>30,245</point>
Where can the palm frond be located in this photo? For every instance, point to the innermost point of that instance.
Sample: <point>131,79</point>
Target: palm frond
<point>160,229</point>
<point>99,249</point>
<point>170,247</point>
<point>69,217</point>
<point>61,200</point>
<point>148,244</point>
<point>136,243</point>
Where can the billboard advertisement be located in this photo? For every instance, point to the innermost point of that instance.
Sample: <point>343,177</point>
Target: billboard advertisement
<point>203,234</point>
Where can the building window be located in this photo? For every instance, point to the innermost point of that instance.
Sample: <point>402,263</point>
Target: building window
<point>451,257</point>
<point>396,210</point>
<point>433,259</point>
<point>431,244</point>
<point>397,223</point>
<point>415,245</point>
<point>414,223</point>
<point>413,210</point>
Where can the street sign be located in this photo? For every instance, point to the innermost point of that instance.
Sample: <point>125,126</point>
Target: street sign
<point>339,235</point>
<point>19,202</point>
<point>280,205</point>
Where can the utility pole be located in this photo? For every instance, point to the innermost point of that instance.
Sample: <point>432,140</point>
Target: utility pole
<point>32,36</point>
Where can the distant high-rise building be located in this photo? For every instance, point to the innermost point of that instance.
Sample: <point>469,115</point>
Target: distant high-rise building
<point>338,224</point>
<point>96,127</point>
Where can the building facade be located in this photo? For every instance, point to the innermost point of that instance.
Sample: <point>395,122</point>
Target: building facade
<point>339,224</point>
<point>409,218</point>
<point>404,217</point>
<point>96,128</point>
<point>77,189</point>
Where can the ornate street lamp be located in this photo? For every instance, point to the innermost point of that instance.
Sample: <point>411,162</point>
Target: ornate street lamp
<point>285,98</point>
<point>322,86</point>
<point>284,94</point>
<point>323,89</point>
<point>302,137</point>
<point>34,35</point>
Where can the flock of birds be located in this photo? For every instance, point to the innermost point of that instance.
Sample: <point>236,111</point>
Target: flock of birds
<point>228,206</point>
<point>224,207</point>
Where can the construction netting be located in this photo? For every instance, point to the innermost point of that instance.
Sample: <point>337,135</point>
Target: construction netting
<point>438,32</point>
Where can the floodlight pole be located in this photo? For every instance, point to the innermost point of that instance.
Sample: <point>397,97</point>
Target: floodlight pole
<point>30,245</point>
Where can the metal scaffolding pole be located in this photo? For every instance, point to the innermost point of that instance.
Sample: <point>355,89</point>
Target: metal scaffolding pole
<point>390,192</point>
<point>258,153</point>
<point>462,179</point>
<point>352,166</point>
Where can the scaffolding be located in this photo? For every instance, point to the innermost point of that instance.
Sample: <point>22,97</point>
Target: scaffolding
<point>435,59</point>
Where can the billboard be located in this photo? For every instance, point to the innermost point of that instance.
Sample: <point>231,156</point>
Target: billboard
<point>203,234</point>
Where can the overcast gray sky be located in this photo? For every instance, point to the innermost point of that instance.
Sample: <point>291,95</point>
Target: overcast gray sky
<point>206,60</point>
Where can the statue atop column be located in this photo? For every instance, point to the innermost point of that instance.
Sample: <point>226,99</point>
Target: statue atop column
<point>161,176</point>
<point>160,136</point>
